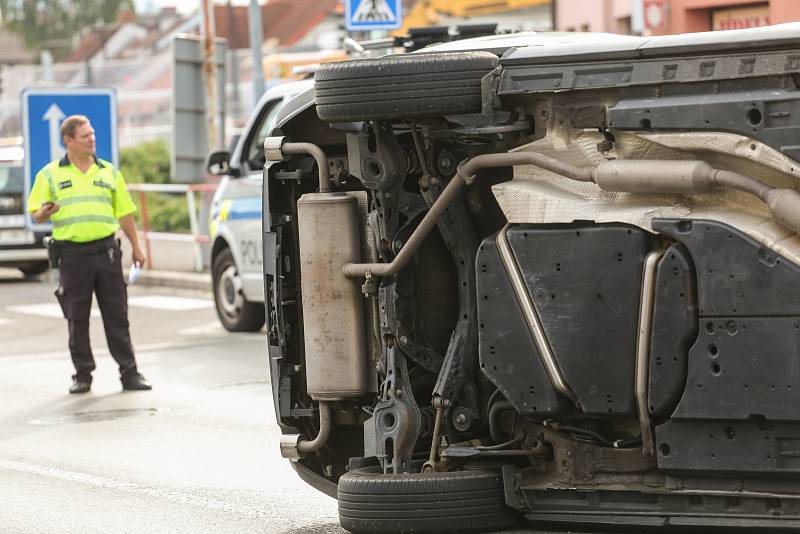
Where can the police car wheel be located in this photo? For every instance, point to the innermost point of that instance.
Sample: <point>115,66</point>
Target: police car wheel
<point>402,86</point>
<point>470,500</point>
<point>235,312</point>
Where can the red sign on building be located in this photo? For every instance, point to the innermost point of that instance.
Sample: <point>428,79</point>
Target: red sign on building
<point>736,18</point>
<point>655,16</point>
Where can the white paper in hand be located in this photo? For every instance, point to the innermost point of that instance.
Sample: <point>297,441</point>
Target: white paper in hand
<point>133,274</point>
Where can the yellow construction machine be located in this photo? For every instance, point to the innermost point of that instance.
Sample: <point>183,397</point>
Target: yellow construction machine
<point>428,12</point>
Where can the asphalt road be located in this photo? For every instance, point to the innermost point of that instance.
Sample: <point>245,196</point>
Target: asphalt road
<point>197,454</point>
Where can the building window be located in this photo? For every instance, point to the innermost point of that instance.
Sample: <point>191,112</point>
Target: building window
<point>624,26</point>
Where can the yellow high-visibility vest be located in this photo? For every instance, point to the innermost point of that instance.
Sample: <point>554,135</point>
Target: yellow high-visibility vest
<point>90,203</point>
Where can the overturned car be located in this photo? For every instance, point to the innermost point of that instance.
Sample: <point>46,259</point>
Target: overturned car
<point>553,277</point>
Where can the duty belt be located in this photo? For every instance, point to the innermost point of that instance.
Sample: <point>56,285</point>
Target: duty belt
<point>72,248</point>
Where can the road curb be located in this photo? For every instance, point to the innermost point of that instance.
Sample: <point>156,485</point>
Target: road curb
<point>176,279</point>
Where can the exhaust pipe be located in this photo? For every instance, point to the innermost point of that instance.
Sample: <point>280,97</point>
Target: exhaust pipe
<point>687,177</point>
<point>293,446</point>
<point>630,176</point>
<point>333,317</point>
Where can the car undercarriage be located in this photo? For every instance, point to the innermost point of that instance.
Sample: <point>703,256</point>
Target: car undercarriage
<point>544,277</point>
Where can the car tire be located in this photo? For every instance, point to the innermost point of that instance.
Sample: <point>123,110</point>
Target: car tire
<point>402,86</point>
<point>235,312</point>
<point>471,500</point>
<point>35,268</point>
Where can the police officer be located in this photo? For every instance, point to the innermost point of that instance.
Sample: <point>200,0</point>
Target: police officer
<point>87,201</point>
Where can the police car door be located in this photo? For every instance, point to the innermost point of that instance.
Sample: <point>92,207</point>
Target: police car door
<point>243,203</point>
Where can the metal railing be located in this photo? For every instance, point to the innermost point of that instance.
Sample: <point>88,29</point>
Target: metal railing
<point>195,236</point>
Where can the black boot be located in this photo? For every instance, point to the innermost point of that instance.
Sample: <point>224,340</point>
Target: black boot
<point>136,382</point>
<point>80,384</point>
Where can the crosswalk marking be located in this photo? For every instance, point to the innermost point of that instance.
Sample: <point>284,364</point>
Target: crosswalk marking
<point>206,329</point>
<point>45,310</point>
<point>161,302</point>
<point>155,302</point>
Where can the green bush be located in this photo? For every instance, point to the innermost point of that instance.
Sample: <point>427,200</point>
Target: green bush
<point>149,163</point>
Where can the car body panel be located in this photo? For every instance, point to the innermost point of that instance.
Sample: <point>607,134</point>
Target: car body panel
<point>236,206</point>
<point>559,47</point>
<point>237,221</point>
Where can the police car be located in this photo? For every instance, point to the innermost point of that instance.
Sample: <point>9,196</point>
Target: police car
<point>235,226</point>
<point>20,247</point>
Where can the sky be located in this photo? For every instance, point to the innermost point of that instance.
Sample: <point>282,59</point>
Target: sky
<point>184,6</point>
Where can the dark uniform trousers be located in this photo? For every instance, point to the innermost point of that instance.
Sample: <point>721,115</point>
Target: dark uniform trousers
<point>95,267</point>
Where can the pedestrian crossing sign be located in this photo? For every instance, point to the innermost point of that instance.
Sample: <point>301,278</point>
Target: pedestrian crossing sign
<point>365,15</point>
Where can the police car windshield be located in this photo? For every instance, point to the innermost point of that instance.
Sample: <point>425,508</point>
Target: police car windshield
<point>256,152</point>
<point>11,179</point>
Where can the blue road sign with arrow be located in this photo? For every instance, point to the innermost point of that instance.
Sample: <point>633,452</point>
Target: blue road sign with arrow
<point>365,15</point>
<point>43,111</point>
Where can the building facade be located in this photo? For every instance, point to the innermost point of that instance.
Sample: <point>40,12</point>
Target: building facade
<point>613,16</point>
<point>661,17</point>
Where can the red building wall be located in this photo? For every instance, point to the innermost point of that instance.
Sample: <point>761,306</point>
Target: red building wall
<point>684,16</point>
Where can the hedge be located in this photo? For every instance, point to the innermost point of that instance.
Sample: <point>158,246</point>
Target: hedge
<point>149,163</point>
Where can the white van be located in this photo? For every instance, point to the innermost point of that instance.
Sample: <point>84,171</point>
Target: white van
<point>235,226</point>
<point>20,247</point>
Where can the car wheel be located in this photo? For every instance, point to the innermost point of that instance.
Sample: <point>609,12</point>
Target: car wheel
<point>403,86</point>
<point>471,500</point>
<point>32,269</point>
<point>235,312</point>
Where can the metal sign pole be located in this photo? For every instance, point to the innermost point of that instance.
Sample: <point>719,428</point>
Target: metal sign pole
<point>256,41</point>
<point>190,114</point>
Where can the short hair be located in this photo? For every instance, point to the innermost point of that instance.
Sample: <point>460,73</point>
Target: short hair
<point>71,124</point>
